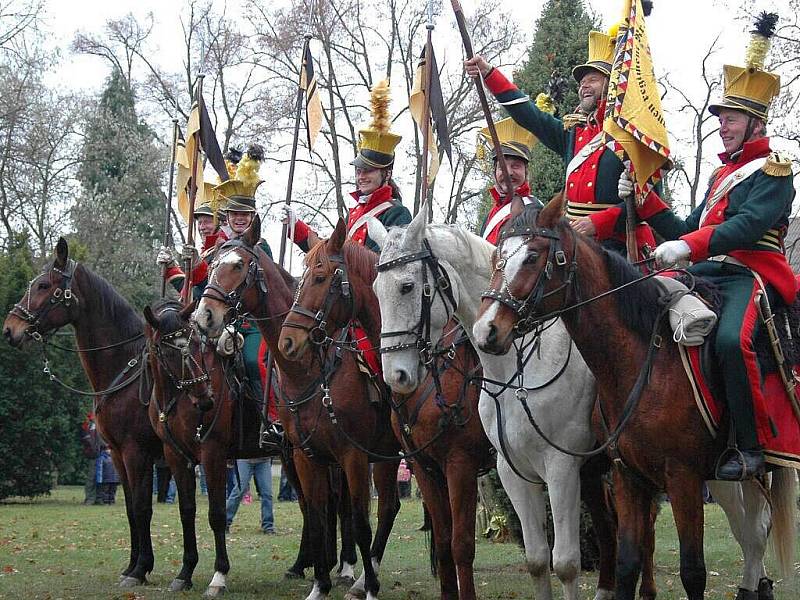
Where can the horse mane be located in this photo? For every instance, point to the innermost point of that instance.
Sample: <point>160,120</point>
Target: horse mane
<point>359,259</point>
<point>106,303</point>
<point>169,320</point>
<point>637,305</point>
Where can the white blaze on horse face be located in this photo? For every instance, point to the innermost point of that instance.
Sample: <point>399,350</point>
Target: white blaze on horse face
<point>231,258</point>
<point>511,256</point>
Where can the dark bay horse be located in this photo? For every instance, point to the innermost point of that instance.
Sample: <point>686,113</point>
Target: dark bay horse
<point>245,278</point>
<point>438,424</point>
<point>108,332</point>
<point>542,268</point>
<point>198,418</point>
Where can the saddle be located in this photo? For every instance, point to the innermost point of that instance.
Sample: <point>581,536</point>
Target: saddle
<point>777,428</point>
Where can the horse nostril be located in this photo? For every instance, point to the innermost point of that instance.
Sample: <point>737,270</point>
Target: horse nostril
<point>209,317</point>
<point>492,337</point>
<point>7,333</point>
<point>287,344</point>
<point>402,376</point>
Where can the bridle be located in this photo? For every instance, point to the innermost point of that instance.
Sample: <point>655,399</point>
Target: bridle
<point>61,295</point>
<point>556,260</point>
<point>421,332</point>
<point>189,364</point>
<point>255,275</point>
<point>339,287</point>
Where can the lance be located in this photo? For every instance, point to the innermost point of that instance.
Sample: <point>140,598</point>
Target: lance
<point>501,159</point>
<point>426,109</point>
<point>168,209</point>
<point>285,230</point>
<point>187,261</point>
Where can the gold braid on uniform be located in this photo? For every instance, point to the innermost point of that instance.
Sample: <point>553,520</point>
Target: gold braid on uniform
<point>777,165</point>
<point>573,119</point>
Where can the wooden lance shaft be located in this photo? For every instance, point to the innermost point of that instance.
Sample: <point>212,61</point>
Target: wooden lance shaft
<point>168,209</point>
<point>187,263</point>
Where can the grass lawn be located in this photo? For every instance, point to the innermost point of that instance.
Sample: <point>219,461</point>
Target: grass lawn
<point>54,547</point>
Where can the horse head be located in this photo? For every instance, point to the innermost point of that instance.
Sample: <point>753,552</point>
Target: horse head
<point>534,273</point>
<point>175,352</point>
<point>417,299</point>
<point>48,304</point>
<point>324,287</point>
<point>231,280</point>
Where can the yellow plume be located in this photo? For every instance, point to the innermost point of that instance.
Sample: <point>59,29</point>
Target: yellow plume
<point>760,41</point>
<point>545,103</point>
<point>379,106</point>
<point>613,32</point>
<point>247,169</point>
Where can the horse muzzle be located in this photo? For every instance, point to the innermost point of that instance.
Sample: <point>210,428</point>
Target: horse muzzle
<point>14,331</point>
<point>293,344</point>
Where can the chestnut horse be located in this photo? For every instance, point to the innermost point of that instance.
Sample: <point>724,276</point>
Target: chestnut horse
<point>438,424</point>
<point>655,432</point>
<point>244,277</point>
<point>108,332</point>
<point>196,415</point>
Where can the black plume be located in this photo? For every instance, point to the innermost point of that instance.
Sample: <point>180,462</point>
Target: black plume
<point>234,155</point>
<point>557,87</point>
<point>765,24</point>
<point>647,7</point>
<point>255,152</point>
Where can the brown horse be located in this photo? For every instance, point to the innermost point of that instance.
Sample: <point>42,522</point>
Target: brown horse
<point>108,333</point>
<point>200,421</point>
<point>438,424</point>
<point>243,277</point>
<point>656,435</point>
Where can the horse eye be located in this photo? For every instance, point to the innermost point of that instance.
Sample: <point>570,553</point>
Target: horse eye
<point>319,279</point>
<point>406,288</point>
<point>531,258</point>
<point>44,285</point>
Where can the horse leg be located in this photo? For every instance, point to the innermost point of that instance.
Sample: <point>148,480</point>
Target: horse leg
<point>564,488</point>
<point>435,495</point>
<point>384,474</point>
<point>604,523</point>
<point>647,584</point>
<point>685,493</point>
<point>185,482</point>
<point>633,503</point>
<point>304,555</point>
<point>528,501</point>
<point>213,459</point>
<point>134,533</point>
<point>356,469</point>
<point>344,510</point>
<point>462,483</point>
<point>137,463</point>
<point>315,485</point>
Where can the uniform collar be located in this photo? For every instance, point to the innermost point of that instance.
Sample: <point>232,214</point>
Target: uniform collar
<point>382,194</point>
<point>750,150</point>
<point>522,191</point>
<point>596,118</point>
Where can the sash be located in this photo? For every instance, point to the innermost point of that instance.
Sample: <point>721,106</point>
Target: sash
<point>584,153</point>
<point>729,183</point>
<point>373,212</point>
<point>498,217</point>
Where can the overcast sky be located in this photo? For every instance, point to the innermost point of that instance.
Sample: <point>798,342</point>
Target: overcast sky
<point>680,31</point>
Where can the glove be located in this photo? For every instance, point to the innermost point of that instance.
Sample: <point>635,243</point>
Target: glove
<point>670,253</point>
<point>189,252</point>
<point>164,257</point>
<point>288,215</point>
<point>229,341</point>
<point>625,186</point>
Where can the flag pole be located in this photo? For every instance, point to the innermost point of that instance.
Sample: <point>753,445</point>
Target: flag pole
<point>630,225</point>
<point>168,209</point>
<point>187,263</point>
<point>426,109</point>
<point>288,202</point>
<point>487,113</point>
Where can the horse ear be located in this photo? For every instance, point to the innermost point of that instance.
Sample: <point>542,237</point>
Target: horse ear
<point>187,311</point>
<point>253,233</point>
<point>151,317</point>
<point>552,212</point>
<point>517,206</point>
<point>338,236</point>
<point>62,253</point>
<point>377,232</point>
<point>417,226</point>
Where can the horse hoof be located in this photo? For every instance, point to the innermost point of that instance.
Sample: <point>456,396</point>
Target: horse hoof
<point>129,582</point>
<point>355,595</point>
<point>344,581</point>
<point>214,591</point>
<point>606,595</point>
<point>179,585</point>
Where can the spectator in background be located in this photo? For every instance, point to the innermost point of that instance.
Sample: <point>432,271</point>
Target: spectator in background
<point>286,493</point>
<point>261,470</point>
<point>90,447</point>
<point>107,477</point>
<point>163,483</point>
<point>404,479</point>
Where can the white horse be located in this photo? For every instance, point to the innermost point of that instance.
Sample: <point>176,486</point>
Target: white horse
<point>560,392</point>
<point>562,409</point>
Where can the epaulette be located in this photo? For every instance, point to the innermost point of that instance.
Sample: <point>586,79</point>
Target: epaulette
<point>778,165</point>
<point>573,119</point>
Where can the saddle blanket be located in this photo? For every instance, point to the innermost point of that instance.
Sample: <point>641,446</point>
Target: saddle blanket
<point>778,429</point>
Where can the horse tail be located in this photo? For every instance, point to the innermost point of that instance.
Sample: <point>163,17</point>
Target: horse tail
<point>430,540</point>
<point>784,516</point>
